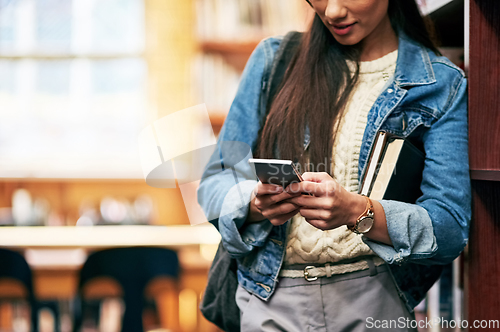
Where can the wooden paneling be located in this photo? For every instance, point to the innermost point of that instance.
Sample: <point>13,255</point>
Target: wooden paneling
<point>483,300</point>
<point>485,175</point>
<point>484,252</point>
<point>484,84</point>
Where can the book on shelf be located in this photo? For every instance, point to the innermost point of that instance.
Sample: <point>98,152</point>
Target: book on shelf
<point>394,170</point>
<point>216,83</point>
<point>241,20</point>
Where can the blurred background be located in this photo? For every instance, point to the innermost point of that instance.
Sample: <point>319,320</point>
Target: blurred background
<point>79,80</point>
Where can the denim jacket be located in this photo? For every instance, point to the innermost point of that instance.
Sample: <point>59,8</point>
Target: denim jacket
<point>425,101</point>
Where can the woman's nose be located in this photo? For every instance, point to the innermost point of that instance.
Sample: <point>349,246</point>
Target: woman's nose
<point>335,10</point>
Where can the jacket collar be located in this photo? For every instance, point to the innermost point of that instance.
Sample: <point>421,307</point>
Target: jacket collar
<point>413,65</point>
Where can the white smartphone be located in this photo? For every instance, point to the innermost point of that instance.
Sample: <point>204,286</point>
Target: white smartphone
<point>276,171</point>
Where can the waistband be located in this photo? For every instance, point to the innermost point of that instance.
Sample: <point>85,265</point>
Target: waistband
<point>314,271</point>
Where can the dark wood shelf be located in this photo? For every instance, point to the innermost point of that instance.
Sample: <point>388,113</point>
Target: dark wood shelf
<point>485,174</point>
<point>235,53</point>
<point>229,47</point>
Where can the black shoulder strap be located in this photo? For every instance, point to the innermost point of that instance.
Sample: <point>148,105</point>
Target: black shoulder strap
<point>282,59</point>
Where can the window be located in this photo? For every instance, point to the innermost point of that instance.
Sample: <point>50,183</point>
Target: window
<point>72,88</point>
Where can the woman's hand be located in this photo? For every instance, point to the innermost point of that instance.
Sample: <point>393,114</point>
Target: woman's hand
<point>273,203</point>
<point>331,206</point>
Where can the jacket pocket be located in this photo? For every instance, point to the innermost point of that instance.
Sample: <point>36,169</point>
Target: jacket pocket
<point>409,121</point>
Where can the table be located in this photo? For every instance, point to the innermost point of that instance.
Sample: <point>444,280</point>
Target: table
<point>55,255</point>
<point>101,237</point>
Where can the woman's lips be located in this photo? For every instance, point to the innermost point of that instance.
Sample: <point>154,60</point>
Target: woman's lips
<point>342,29</point>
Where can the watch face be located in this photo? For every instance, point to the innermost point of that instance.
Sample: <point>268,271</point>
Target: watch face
<point>365,224</point>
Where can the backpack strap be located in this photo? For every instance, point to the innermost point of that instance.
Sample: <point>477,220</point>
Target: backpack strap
<point>282,59</point>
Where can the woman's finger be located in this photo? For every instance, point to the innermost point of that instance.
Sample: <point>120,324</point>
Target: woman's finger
<point>283,218</point>
<point>316,214</point>
<point>316,176</point>
<point>267,189</point>
<point>265,201</point>
<point>305,187</point>
<point>279,210</point>
<point>320,224</point>
<point>313,202</point>
<point>326,188</point>
<point>317,189</point>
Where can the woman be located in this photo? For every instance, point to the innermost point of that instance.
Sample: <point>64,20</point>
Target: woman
<point>304,262</point>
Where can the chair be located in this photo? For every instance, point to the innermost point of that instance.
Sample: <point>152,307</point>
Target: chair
<point>132,268</point>
<point>16,282</point>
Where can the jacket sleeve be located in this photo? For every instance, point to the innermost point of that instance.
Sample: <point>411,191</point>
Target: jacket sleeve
<point>435,229</point>
<point>227,183</point>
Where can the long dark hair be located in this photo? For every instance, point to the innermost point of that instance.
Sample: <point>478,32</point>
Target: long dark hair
<point>316,88</point>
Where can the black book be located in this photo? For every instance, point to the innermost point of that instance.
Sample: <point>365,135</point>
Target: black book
<point>394,170</point>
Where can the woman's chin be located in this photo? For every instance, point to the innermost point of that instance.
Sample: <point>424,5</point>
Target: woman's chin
<point>346,40</point>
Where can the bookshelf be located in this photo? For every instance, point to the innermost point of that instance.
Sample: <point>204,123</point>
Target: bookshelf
<point>234,53</point>
<point>160,35</point>
<point>484,141</point>
<point>224,45</point>
<point>231,42</point>
<point>227,48</point>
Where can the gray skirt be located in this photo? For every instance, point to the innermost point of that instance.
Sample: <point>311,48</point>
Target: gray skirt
<point>358,301</point>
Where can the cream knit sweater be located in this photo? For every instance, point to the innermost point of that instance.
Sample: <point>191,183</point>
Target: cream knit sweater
<point>307,244</point>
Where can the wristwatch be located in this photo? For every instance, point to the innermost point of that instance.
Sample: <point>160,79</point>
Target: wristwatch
<point>365,221</point>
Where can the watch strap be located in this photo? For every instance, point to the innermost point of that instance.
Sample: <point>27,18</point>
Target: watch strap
<point>368,211</point>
